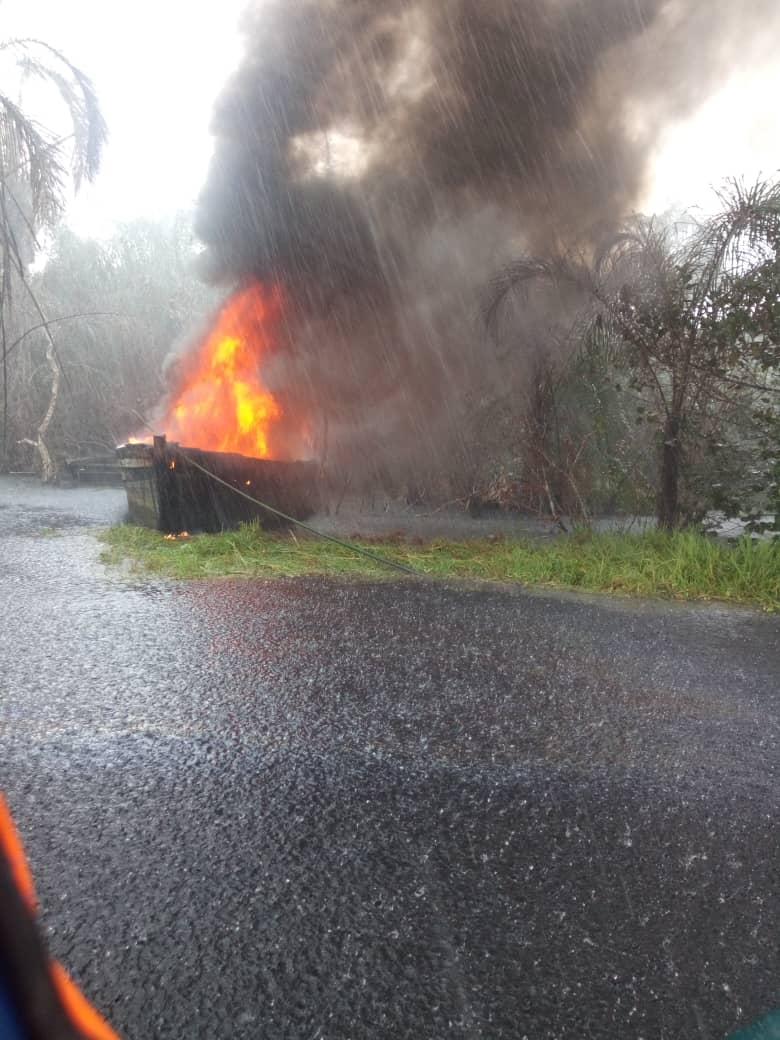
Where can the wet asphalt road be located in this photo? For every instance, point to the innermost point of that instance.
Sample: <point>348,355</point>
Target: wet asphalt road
<point>316,810</point>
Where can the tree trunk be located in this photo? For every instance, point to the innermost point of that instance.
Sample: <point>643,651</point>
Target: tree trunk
<point>5,452</point>
<point>4,344</point>
<point>48,468</point>
<point>668,509</point>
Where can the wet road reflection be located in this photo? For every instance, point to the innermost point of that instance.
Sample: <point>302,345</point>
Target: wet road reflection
<point>305,809</point>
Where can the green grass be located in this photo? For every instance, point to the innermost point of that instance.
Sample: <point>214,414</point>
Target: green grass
<point>680,565</point>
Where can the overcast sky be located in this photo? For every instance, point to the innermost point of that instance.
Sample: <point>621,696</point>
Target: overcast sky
<point>159,64</point>
<point>736,133</point>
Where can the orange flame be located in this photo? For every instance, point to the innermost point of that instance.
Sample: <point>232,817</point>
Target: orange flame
<point>220,403</point>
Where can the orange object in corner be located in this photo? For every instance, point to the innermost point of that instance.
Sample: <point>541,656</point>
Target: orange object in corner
<point>71,1002</point>
<point>11,848</point>
<point>78,1009</point>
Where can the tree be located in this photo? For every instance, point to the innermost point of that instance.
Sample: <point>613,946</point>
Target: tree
<point>685,305</point>
<point>135,297</point>
<point>36,167</point>
<point>746,311</point>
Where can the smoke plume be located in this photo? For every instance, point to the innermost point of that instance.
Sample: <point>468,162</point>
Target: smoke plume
<point>381,160</point>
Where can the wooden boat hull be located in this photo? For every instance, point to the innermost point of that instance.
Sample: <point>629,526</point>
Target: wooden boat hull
<point>166,492</point>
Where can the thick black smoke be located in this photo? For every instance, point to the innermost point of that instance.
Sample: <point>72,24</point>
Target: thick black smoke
<point>381,158</point>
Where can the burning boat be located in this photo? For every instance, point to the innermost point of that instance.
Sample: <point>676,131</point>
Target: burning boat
<point>171,488</point>
<point>245,444</point>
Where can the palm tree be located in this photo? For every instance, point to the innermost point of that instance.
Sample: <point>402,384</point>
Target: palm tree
<point>666,296</point>
<point>36,167</point>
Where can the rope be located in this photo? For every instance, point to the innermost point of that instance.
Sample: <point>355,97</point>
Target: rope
<point>358,549</point>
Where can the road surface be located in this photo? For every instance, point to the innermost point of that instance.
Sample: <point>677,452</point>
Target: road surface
<point>307,809</point>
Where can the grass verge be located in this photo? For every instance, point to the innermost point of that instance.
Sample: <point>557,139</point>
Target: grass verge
<point>679,565</point>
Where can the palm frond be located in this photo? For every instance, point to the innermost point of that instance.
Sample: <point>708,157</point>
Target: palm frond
<point>617,246</point>
<point>30,155</point>
<point>37,58</point>
<point>25,146</point>
<point>643,253</point>
<point>520,273</point>
<point>745,231</point>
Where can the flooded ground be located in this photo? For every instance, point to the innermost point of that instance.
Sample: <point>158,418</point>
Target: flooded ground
<point>313,809</point>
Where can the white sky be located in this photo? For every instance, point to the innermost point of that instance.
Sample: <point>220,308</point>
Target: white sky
<point>158,66</point>
<point>736,133</point>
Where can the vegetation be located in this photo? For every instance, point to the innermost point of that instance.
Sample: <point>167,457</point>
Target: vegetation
<point>136,297</point>
<point>36,166</point>
<point>687,318</point>
<point>679,564</point>
<point>637,375</point>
